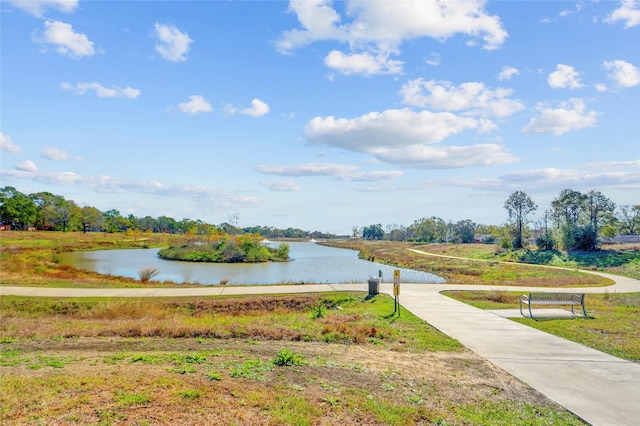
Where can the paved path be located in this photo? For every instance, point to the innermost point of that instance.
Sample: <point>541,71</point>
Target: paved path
<point>599,388</point>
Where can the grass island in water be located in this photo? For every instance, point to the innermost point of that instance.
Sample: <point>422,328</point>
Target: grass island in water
<point>229,249</point>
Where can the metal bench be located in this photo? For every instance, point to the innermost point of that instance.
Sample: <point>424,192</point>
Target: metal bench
<point>566,299</point>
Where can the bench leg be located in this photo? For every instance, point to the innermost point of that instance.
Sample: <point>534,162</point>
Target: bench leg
<point>522,313</point>
<point>530,313</point>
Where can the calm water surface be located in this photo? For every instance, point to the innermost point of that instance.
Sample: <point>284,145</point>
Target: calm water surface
<point>312,263</point>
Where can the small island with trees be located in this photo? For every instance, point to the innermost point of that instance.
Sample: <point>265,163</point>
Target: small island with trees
<point>246,248</point>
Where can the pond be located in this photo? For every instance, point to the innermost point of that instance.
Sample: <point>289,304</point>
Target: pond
<point>312,263</point>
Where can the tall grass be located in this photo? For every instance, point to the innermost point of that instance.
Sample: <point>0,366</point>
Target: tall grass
<point>145,274</point>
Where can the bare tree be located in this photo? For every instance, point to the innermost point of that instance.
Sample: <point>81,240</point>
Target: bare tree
<point>629,219</point>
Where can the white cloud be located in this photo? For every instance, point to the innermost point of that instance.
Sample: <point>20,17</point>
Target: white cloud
<point>375,30</point>
<point>68,42</point>
<point>7,145</point>
<point>258,109</point>
<point>565,76</point>
<point>473,98</point>
<point>433,59</point>
<point>196,105</point>
<point>37,8</point>
<point>319,22</point>
<point>173,45</point>
<point>281,185</point>
<point>107,184</point>
<point>27,166</point>
<point>308,169</point>
<point>101,91</point>
<point>579,178</point>
<point>566,12</point>
<point>54,154</point>
<point>445,157</point>
<point>343,172</point>
<point>390,128</point>
<point>571,115</point>
<point>629,12</point>
<point>372,176</point>
<point>362,63</point>
<point>403,137</point>
<point>601,87</point>
<point>623,73</point>
<point>615,164</point>
<point>507,73</point>
<point>549,174</point>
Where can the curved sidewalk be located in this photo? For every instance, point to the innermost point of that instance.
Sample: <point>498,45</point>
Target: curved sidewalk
<point>599,388</point>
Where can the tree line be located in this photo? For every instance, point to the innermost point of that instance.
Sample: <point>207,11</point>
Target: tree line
<point>573,221</point>
<point>47,211</point>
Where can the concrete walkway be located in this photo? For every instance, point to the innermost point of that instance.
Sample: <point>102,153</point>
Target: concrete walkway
<point>599,388</point>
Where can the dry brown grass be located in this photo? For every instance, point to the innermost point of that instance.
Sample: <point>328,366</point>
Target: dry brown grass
<point>176,361</point>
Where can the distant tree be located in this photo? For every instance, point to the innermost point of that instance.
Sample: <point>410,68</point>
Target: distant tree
<point>45,213</point>
<point>396,232</point>
<point>568,210</point>
<point>146,224</point>
<point>423,230</point>
<point>91,219</point>
<point>16,208</point>
<point>65,211</point>
<point>373,232</point>
<point>167,225</point>
<point>599,208</point>
<point>546,240</point>
<point>464,231</point>
<point>519,205</point>
<point>629,219</point>
<point>114,221</point>
<point>230,229</point>
<point>568,206</point>
<point>356,231</point>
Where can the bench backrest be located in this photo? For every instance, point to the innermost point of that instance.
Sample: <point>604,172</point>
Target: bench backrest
<point>560,297</point>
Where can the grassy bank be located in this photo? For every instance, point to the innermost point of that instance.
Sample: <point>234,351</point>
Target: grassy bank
<point>32,258</point>
<point>616,259</point>
<point>304,359</point>
<point>613,324</point>
<point>486,266</point>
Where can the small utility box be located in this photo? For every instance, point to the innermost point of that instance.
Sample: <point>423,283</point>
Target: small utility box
<point>374,286</point>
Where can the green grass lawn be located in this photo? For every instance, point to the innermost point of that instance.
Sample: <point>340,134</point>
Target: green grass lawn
<point>612,325</point>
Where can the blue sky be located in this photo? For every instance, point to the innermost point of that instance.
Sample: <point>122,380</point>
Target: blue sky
<point>320,115</point>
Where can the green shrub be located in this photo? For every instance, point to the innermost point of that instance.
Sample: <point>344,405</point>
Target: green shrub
<point>287,357</point>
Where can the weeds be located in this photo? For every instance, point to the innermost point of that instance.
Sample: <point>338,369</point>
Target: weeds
<point>190,394</point>
<point>252,369</point>
<point>125,399</point>
<point>318,311</point>
<point>287,357</point>
<point>145,274</point>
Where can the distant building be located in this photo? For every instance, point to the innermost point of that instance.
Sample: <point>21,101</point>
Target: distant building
<point>622,239</point>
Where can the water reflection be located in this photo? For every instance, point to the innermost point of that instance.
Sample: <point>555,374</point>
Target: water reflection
<point>311,263</point>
